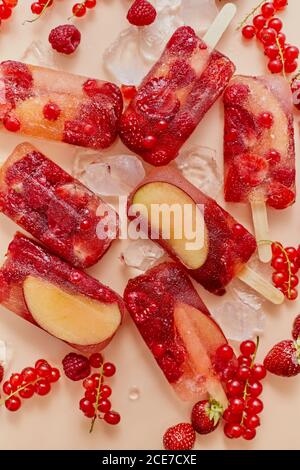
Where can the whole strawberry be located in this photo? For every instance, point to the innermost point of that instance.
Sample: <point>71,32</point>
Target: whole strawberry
<point>284,358</point>
<point>206,416</point>
<point>141,13</point>
<point>296,328</point>
<point>179,437</point>
<point>76,366</point>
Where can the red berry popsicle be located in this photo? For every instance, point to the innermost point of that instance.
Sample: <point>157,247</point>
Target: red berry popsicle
<point>67,303</point>
<point>179,331</point>
<point>259,148</point>
<point>174,97</point>
<point>211,245</point>
<point>57,105</point>
<point>54,207</point>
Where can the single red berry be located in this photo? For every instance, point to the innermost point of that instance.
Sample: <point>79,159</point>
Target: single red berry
<point>249,434</point>
<point>224,353</point>
<point>112,417</point>
<point>11,3</point>
<point>205,416</point>
<point>275,66</point>
<point>235,388</point>
<point>76,366</point>
<point>27,392</point>
<point>275,23</point>
<point>268,36</point>
<point>51,111</point>
<point>28,374</point>
<point>291,252</point>
<point>231,417</point>
<point>266,120</point>
<point>272,52</point>
<point>13,403</point>
<point>294,267</point>
<point>96,379</point>
<point>243,373</point>
<point>89,384</point>
<point>259,22</point>
<point>236,405</point>
<point>296,328</point>
<point>279,263</point>
<point>40,362</point>
<point>255,388</point>
<point>85,405</point>
<point>277,249</point>
<point>105,391</point>
<point>290,67</point>
<point>291,53</point>
<point>109,369</point>
<point>44,371</point>
<point>54,375</point>
<point>258,372</point>
<point>15,381</point>
<point>96,360</point>
<point>91,395</point>
<point>280,278</point>
<point>128,92</point>
<point>42,387</point>
<point>11,123</point>
<point>90,3</point>
<point>281,38</point>
<point>293,294</point>
<point>268,9</point>
<point>7,388</point>
<point>141,13</point>
<point>232,430</point>
<point>248,32</point>
<point>179,437</point>
<point>248,348</point>
<point>244,361</point>
<point>104,405</point>
<point>280,4</point>
<point>79,10</point>
<point>65,38</point>
<point>5,12</point>
<point>254,406</point>
<point>294,281</point>
<point>251,422</point>
<point>36,8</point>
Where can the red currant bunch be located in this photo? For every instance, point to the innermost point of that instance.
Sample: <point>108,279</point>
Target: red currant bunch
<point>40,6</point>
<point>243,389</point>
<point>286,264</point>
<point>80,9</point>
<point>32,380</point>
<point>267,28</point>
<point>95,402</point>
<point>6,7</point>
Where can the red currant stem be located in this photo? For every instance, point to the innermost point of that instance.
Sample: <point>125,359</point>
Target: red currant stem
<point>2,402</point>
<point>281,57</point>
<point>245,393</point>
<point>98,397</point>
<point>269,242</point>
<point>74,16</point>
<point>252,12</point>
<point>38,16</point>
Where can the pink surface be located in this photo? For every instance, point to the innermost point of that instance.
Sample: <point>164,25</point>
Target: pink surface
<point>55,422</point>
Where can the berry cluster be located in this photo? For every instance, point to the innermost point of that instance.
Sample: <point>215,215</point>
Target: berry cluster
<point>243,390</point>
<point>80,9</point>
<point>286,262</point>
<point>31,380</point>
<point>6,7</point>
<point>267,28</point>
<point>95,402</point>
<point>39,7</point>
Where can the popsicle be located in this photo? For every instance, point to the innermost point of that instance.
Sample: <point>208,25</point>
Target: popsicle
<point>195,231</point>
<point>179,331</point>
<point>51,294</point>
<point>55,208</point>
<point>57,105</point>
<point>259,148</point>
<point>177,92</point>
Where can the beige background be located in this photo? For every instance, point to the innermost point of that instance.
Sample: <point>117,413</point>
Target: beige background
<point>55,422</point>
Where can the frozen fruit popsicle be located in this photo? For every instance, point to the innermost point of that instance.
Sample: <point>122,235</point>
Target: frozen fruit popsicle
<point>177,92</point>
<point>178,330</point>
<point>259,147</point>
<point>211,245</point>
<point>57,105</point>
<point>54,207</point>
<point>51,294</point>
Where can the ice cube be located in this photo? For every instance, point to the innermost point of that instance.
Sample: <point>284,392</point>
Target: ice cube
<point>199,14</point>
<point>108,175</point>
<point>199,166</point>
<point>141,254</point>
<point>37,53</point>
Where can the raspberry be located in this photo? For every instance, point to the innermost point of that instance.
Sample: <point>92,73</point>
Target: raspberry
<point>65,38</point>
<point>141,13</point>
<point>76,366</point>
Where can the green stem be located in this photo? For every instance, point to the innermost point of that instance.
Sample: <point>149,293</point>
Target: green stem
<point>249,15</point>
<point>2,402</point>
<point>38,16</point>
<point>281,57</point>
<point>98,396</point>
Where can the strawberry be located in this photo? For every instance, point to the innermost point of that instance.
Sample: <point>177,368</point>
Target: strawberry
<point>284,358</point>
<point>206,416</point>
<point>179,437</point>
<point>141,13</point>
<point>76,366</point>
<point>296,328</point>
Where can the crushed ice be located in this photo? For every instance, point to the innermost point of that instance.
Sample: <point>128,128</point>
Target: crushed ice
<point>108,175</point>
<point>38,53</point>
<point>130,56</point>
<point>141,254</point>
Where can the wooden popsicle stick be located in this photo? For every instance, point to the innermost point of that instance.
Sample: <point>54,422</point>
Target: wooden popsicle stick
<point>219,25</point>
<point>260,285</point>
<point>261,228</point>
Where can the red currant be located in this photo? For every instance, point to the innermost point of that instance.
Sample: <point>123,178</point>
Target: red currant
<point>105,391</point>
<point>294,281</point>
<point>39,362</point>
<point>293,294</point>
<point>44,371</point>
<point>291,53</point>
<point>280,4</point>
<point>36,8</point>
<point>79,10</point>
<point>268,9</point>
<point>259,22</point>
<point>258,372</point>
<point>234,388</point>
<point>5,12</point>
<point>248,348</point>
<point>11,3</point>
<point>90,3</point>
<point>275,66</point>
<point>15,381</point>
<point>231,417</point>
<point>272,51</point>
<point>104,405</point>
<point>280,278</point>
<point>224,353</point>
<point>236,405</point>
<point>277,249</point>
<point>91,395</point>
<point>243,373</point>
<point>7,388</point>
<point>252,422</point>
<point>255,388</point>
<point>233,431</point>
<point>279,263</point>
<point>54,375</point>
<point>89,383</point>
<point>96,360</point>
<point>11,123</point>
<point>291,252</point>
<point>254,406</point>
<point>109,369</point>
<point>281,38</point>
<point>294,267</point>
<point>268,36</point>
<point>85,405</point>
<point>249,434</point>
<point>248,32</point>
<point>42,387</point>
<point>28,374</point>
<point>266,120</point>
<point>290,67</point>
<point>244,361</point>
<point>275,23</point>
<point>27,392</point>
<point>112,417</point>
<point>51,111</point>
<point>13,403</point>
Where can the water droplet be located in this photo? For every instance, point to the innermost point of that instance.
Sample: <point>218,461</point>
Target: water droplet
<point>134,393</point>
